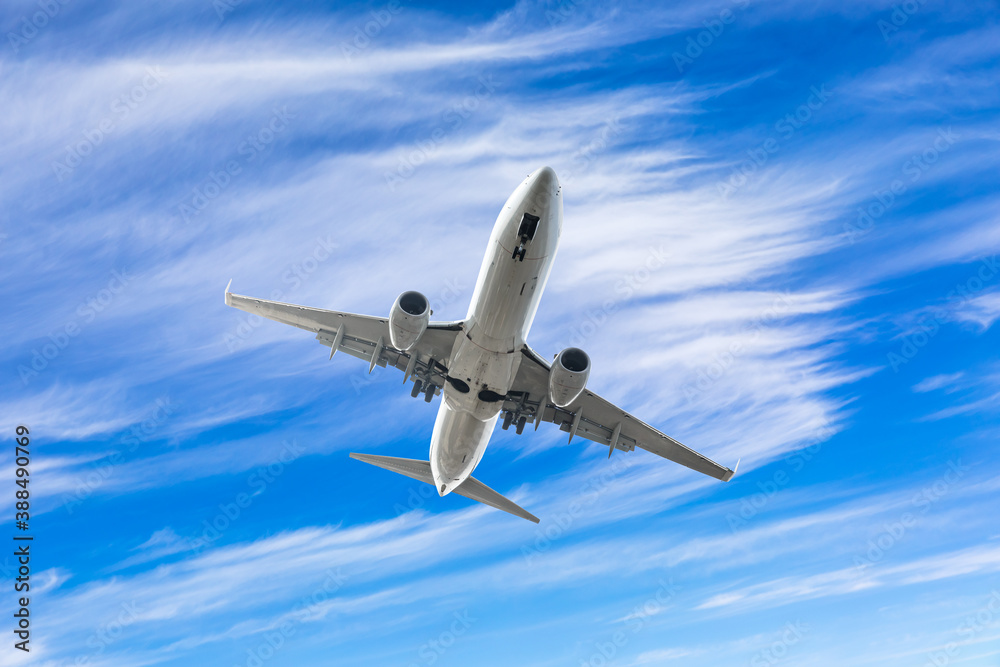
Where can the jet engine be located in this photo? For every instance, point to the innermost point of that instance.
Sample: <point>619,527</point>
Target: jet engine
<point>568,376</point>
<point>408,319</point>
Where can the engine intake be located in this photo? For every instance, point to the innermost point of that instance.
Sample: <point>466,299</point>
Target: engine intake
<point>568,376</point>
<point>408,320</point>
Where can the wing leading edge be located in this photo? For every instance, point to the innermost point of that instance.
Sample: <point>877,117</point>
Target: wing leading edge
<point>599,420</point>
<point>363,336</point>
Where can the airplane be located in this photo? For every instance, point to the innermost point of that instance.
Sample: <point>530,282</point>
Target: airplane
<point>482,366</point>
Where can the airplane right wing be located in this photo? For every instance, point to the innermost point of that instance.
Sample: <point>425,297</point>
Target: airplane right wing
<point>599,420</point>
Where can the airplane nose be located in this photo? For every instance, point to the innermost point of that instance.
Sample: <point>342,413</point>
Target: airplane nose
<point>545,178</point>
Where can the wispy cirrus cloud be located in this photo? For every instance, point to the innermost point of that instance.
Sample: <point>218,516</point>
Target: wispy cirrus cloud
<point>743,324</point>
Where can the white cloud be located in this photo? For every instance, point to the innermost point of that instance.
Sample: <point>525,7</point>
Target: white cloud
<point>946,381</point>
<point>982,310</point>
<point>766,273</point>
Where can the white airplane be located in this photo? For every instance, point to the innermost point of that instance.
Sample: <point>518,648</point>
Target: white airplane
<point>482,364</point>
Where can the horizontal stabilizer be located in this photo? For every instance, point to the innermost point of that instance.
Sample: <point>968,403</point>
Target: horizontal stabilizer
<point>471,488</point>
<point>476,490</point>
<point>420,470</point>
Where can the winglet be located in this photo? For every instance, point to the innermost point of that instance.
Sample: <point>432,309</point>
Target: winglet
<point>229,300</point>
<point>733,471</point>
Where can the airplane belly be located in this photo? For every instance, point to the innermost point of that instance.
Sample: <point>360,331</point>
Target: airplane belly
<point>485,359</point>
<point>479,377</point>
<point>457,445</point>
<point>510,284</point>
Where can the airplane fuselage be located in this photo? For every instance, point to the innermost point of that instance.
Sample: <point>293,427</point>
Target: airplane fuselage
<point>485,358</point>
<point>482,366</point>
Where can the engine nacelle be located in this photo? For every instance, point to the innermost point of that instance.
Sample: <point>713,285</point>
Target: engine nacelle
<point>568,376</point>
<point>408,320</point>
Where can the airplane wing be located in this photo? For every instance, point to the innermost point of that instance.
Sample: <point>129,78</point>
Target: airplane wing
<point>598,420</point>
<point>364,337</point>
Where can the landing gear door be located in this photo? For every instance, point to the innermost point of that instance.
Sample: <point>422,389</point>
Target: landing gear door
<point>525,232</point>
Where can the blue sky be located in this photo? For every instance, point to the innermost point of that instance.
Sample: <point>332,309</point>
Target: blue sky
<point>779,245</point>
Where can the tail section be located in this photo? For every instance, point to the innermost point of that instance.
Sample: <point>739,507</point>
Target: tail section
<point>419,470</point>
<point>471,488</point>
<point>476,490</point>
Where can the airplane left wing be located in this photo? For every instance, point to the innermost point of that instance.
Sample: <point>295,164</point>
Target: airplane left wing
<point>364,337</point>
<point>598,420</point>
